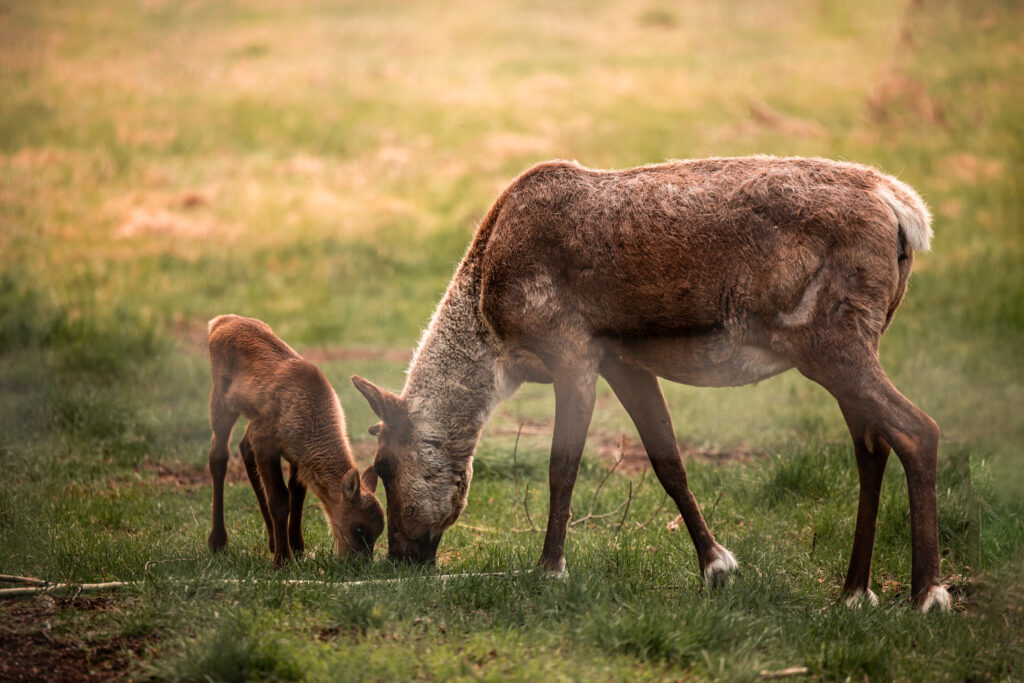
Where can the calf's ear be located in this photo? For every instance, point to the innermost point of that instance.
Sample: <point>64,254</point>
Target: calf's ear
<point>370,479</point>
<point>350,486</point>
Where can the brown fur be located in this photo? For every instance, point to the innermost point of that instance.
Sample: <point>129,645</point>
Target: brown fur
<point>293,414</point>
<point>711,272</point>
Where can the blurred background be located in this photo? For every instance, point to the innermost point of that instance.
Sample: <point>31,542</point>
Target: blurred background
<point>322,165</point>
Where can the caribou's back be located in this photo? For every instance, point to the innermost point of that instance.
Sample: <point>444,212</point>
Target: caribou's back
<point>694,248</point>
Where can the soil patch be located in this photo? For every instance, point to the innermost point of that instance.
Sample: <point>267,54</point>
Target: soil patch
<point>611,446</point>
<point>182,475</point>
<point>30,652</point>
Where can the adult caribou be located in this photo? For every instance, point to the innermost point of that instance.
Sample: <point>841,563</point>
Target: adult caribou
<point>713,272</point>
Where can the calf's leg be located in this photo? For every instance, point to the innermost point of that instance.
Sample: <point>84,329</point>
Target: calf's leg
<point>269,465</point>
<point>222,419</point>
<point>296,497</point>
<point>249,458</point>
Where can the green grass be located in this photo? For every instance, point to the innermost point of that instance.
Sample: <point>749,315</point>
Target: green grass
<point>322,166</point>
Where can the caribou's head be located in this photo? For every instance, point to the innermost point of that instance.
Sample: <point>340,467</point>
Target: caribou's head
<point>426,484</point>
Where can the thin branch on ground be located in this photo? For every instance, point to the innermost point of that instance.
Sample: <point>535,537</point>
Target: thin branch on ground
<point>77,587</point>
<point>515,475</point>
<point>707,518</point>
<point>80,588</point>
<point>600,484</point>
<point>657,510</point>
<point>10,578</point>
<point>782,673</point>
<point>608,473</point>
<point>629,500</point>
<point>526,507</point>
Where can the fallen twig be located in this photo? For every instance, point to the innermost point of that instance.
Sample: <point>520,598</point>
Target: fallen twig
<point>526,507</point>
<point>10,578</point>
<point>783,673</point>
<point>515,474</point>
<point>608,473</point>
<point>78,587</point>
<point>113,585</point>
<point>655,513</point>
<point>629,500</point>
<point>711,514</point>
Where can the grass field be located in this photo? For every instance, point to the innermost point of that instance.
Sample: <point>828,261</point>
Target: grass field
<point>322,165</point>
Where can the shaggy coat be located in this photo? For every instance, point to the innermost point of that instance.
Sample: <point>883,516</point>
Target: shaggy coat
<point>713,272</point>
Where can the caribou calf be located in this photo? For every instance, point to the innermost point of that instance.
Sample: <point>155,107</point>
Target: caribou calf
<point>293,414</point>
<point>712,272</point>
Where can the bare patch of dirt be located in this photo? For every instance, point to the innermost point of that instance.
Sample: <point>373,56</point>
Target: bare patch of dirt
<point>611,446</point>
<point>29,651</point>
<point>181,475</point>
<point>141,222</point>
<point>634,457</point>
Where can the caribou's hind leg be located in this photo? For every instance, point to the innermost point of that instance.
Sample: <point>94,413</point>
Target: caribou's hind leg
<point>872,455</point>
<point>639,393</point>
<point>875,411</point>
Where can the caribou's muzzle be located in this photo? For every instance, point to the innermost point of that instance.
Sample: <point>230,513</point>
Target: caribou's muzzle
<point>412,551</point>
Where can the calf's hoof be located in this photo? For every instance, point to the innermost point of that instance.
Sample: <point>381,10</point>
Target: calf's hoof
<point>217,541</point>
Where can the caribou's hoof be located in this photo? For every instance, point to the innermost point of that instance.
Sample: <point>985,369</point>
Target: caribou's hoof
<point>935,597</point>
<point>860,598</point>
<point>556,567</point>
<point>721,567</point>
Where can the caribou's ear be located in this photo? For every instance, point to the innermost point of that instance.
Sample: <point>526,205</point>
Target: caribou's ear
<point>350,485</point>
<point>370,479</point>
<point>375,429</point>
<point>383,403</point>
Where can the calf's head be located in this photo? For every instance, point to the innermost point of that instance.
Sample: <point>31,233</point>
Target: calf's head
<point>425,485</point>
<point>357,518</point>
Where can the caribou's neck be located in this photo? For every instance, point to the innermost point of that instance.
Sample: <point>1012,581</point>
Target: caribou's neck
<point>452,383</point>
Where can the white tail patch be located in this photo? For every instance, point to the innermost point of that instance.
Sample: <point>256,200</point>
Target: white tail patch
<point>938,598</point>
<point>911,213</point>
<point>720,568</point>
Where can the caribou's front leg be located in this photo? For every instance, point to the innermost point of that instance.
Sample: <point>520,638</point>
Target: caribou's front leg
<point>574,406</point>
<point>639,393</point>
